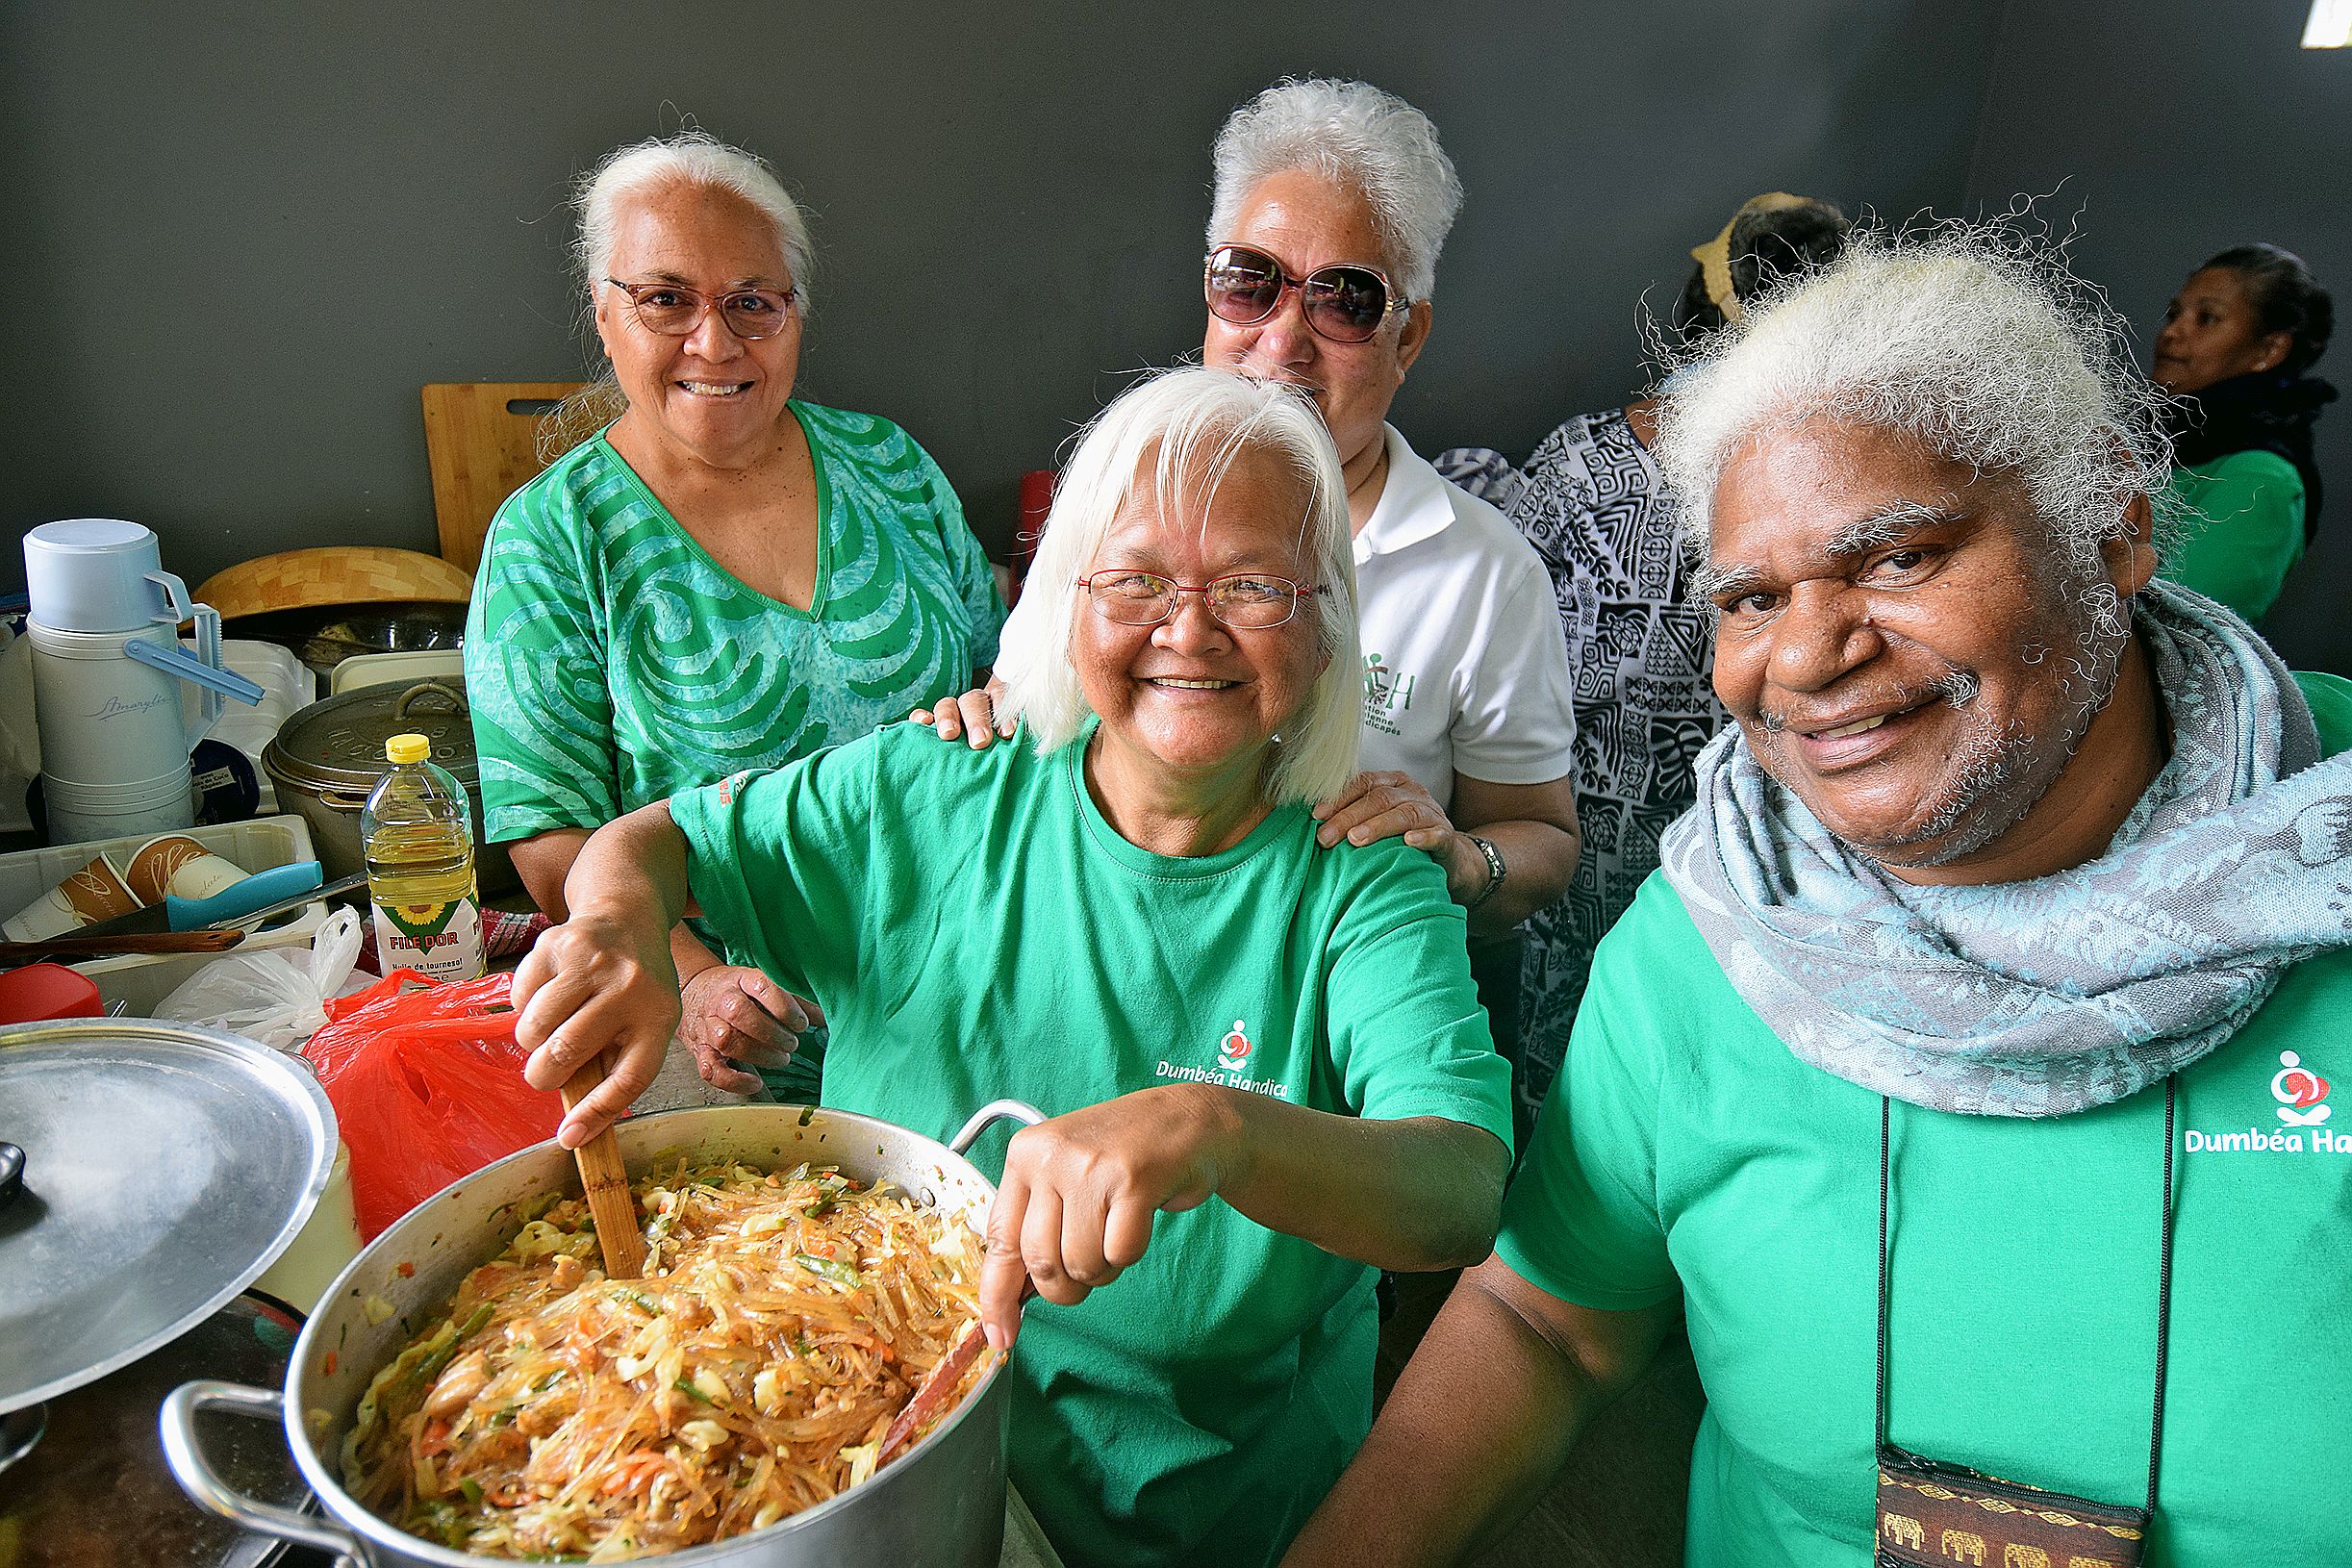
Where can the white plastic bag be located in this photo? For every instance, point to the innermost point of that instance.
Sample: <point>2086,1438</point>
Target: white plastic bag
<point>277,997</point>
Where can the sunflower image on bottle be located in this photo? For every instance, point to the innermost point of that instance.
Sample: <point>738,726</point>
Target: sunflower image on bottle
<point>417,832</point>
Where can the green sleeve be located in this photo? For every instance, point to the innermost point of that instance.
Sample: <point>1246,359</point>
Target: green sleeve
<point>777,859</point>
<point>1583,1218</point>
<point>535,672</point>
<point>1408,1037</point>
<point>2242,518</point>
<point>2331,702</point>
<point>975,584</point>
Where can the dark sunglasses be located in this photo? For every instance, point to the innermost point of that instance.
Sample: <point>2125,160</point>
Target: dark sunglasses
<point>1344,303</point>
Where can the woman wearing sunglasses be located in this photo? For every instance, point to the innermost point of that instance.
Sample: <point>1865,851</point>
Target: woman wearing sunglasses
<point>722,576</point>
<point>1332,200</point>
<point>1263,1061</point>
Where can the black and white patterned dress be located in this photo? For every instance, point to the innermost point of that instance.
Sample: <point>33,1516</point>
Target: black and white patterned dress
<point>1589,500</point>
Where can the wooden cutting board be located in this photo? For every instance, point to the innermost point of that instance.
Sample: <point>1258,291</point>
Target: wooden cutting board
<point>482,440</point>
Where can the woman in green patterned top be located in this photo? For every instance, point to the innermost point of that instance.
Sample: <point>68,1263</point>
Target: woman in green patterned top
<point>723,577</point>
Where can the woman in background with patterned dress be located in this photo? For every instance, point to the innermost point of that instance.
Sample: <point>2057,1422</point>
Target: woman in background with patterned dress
<point>1591,502</point>
<point>723,577</point>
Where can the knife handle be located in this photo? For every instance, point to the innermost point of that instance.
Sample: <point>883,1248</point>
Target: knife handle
<point>244,898</point>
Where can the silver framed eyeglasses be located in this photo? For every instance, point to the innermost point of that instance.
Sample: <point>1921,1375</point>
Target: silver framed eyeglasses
<point>673,310</point>
<point>1251,600</point>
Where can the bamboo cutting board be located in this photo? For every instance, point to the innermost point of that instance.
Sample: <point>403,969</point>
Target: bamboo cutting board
<point>481,438</point>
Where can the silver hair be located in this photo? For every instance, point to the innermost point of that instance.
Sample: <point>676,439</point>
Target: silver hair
<point>1183,430</point>
<point>1354,134</point>
<point>691,160</point>
<point>1973,340</point>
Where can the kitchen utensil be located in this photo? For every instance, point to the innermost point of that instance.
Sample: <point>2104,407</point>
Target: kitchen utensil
<point>43,991</point>
<point>481,440</point>
<point>942,1506</point>
<point>941,1381</point>
<point>165,1166</point>
<point>603,1178</point>
<point>935,1389</point>
<point>81,945</point>
<point>605,1182</point>
<point>106,666</point>
<point>263,892</point>
<point>335,576</point>
<point>331,754</point>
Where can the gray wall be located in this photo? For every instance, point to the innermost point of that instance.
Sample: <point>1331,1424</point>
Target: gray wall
<point>244,239</point>
<point>2179,127</point>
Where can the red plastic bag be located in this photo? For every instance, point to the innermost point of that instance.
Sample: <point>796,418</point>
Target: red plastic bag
<point>423,1108</point>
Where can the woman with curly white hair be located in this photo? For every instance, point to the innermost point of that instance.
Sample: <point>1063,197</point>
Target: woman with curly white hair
<point>1263,1061</point>
<point>1963,1078</point>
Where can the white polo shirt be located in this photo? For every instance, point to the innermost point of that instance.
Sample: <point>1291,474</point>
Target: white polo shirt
<point>1466,663</point>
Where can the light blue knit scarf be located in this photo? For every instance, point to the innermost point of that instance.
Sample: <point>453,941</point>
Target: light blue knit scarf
<point>2063,992</point>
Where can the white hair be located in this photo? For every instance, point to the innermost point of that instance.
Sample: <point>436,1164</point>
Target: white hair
<point>1353,134</point>
<point>1184,430</point>
<point>691,160</point>
<point>1972,340</point>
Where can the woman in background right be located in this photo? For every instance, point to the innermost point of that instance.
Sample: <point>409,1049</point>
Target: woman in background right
<point>1591,502</point>
<point>2237,341</point>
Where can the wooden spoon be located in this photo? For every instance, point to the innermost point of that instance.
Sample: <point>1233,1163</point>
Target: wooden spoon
<point>606,1182</point>
<point>949,1370</point>
<point>603,1177</point>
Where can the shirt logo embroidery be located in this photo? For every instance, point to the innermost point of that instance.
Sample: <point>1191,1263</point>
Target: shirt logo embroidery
<point>2302,1095</point>
<point>1387,694</point>
<point>2300,1091</point>
<point>1234,1053</point>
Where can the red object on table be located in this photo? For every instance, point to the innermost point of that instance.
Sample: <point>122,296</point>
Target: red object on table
<point>39,992</point>
<point>427,1086</point>
<point>1036,502</point>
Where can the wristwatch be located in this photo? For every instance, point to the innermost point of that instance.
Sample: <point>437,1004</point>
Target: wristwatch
<point>1496,871</point>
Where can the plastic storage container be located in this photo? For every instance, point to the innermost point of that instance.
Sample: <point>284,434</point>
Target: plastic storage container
<point>143,980</point>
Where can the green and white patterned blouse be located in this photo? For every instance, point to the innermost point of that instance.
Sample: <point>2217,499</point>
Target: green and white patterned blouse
<point>610,662</point>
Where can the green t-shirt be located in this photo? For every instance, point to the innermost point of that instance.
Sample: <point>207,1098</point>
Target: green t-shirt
<point>2241,517</point>
<point>610,662</point>
<point>975,928</point>
<point>1684,1148</point>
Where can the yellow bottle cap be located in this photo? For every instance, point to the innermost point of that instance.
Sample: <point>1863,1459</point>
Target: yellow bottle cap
<point>408,748</point>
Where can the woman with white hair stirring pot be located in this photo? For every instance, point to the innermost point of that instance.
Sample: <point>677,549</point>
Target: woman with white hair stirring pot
<point>1265,1065</point>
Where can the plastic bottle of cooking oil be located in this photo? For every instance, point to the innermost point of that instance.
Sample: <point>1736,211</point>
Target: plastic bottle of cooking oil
<point>417,832</point>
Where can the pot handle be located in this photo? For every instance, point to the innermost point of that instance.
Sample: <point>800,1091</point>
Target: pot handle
<point>430,688</point>
<point>989,1114</point>
<point>210,1492</point>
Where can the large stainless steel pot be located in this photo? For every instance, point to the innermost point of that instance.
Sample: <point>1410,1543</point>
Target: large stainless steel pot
<point>326,759</point>
<point>942,1506</point>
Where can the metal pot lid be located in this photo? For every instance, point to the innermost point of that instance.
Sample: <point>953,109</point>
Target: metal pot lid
<point>166,1166</point>
<point>339,743</point>
<point>97,1489</point>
